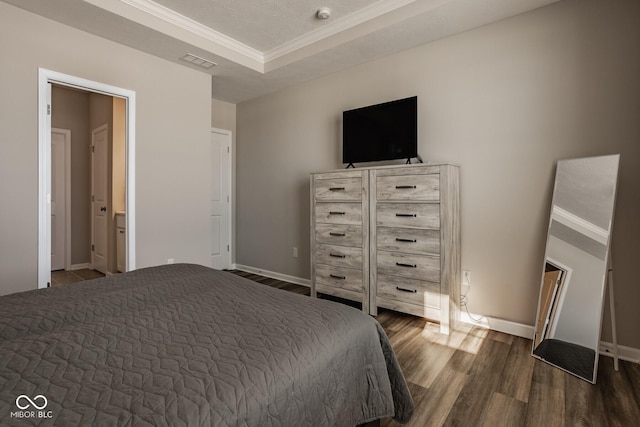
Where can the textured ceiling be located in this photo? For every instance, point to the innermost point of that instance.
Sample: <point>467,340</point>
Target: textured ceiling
<point>263,24</point>
<point>262,46</point>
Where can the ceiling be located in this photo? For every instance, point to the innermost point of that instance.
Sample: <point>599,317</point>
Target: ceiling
<point>261,46</point>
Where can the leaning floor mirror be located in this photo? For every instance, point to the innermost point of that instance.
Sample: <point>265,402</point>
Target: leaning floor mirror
<point>576,264</point>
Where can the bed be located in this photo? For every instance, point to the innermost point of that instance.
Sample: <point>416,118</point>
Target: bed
<point>188,345</point>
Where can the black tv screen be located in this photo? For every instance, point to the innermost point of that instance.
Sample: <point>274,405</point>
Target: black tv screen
<point>385,131</point>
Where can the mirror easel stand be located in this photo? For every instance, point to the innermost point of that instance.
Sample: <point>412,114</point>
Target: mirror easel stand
<point>614,336</point>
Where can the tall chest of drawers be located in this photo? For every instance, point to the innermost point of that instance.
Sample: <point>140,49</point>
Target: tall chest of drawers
<point>415,241</point>
<point>410,239</point>
<point>340,235</point>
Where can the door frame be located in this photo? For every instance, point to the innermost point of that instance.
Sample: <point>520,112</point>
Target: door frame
<point>67,195</point>
<point>45,79</point>
<point>562,292</point>
<point>229,190</point>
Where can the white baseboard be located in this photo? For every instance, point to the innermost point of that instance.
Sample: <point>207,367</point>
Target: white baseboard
<point>629,354</point>
<point>273,275</point>
<point>80,266</point>
<point>500,325</point>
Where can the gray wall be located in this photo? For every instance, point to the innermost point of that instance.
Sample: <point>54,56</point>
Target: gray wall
<point>505,101</point>
<point>173,120</point>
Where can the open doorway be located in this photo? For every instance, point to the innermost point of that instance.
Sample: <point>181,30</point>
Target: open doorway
<point>113,120</point>
<point>552,294</point>
<point>88,183</point>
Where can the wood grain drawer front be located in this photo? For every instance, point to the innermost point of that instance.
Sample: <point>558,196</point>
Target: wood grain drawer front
<point>340,256</point>
<point>339,189</point>
<point>340,278</point>
<point>339,213</point>
<point>417,215</point>
<point>408,290</point>
<point>424,188</point>
<point>409,240</point>
<point>421,267</point>
<point>338,234</point>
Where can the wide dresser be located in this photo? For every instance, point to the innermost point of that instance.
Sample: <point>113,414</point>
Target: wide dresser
<point>389,237</point>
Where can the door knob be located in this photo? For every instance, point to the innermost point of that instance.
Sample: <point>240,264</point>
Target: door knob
<point>103,209</point>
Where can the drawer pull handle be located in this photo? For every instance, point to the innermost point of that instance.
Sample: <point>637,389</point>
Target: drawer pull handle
<point>399,239</point>
<point>413,291</point>
<point>402,264</point>
<point>405,187</point>
<point>336,189</point>
<point>336,213</point>
<point>406,215</point>
<point>335,276</point>
<point>331,233</point>
<point>337,255</point>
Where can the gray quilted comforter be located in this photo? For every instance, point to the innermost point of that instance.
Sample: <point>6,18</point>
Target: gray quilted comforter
<point>188,345</point>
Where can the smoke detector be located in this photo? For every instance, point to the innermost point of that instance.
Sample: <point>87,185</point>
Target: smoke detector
<point>323,13</point>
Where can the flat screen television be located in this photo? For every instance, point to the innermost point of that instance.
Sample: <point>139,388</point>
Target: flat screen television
<point>386,131</point>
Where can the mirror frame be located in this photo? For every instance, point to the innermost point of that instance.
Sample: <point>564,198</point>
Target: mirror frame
<point>607,267</point>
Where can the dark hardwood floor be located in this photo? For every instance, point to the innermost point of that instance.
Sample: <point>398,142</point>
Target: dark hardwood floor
<point>478,377</point>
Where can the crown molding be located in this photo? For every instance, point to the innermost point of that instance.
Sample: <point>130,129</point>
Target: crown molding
<point>580,225</point>
<point>149,8</point>
<point>152,9</point>
<point>337,26</point>
<point>341,30</point>
<point>188,24</point>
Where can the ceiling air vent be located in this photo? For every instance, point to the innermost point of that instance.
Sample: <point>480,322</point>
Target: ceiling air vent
<point>196,60</point>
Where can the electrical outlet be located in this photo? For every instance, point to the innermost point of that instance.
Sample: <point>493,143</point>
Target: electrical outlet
<point>295,252</point>
<point>170,261</point>
<point>466,277</point>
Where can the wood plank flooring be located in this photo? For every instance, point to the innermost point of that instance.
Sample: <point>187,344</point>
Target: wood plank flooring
<point>478,377</point>
<point>62,277</point>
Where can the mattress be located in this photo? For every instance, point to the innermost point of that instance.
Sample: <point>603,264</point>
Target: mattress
<point>188,345</point>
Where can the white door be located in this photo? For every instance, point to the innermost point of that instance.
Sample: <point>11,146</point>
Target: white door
<point>99,198</point>
<point>60,157</point>
<point>220,199</point>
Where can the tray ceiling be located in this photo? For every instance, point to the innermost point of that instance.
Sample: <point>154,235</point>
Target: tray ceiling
<point>261,46</point>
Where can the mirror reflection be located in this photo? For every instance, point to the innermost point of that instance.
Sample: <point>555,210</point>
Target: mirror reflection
<point>567,331</point>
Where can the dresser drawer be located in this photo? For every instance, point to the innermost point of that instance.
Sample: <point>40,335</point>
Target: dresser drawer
<point>338,189</point>
<point>408,240</point>
<point>338,234</point>
<point>339,213</point>
<point>418,215</point>
<point>425,188</point>
<point>339,278</point>
<point>340,256</point>
<point>421,267</point>
<point>412,291</point>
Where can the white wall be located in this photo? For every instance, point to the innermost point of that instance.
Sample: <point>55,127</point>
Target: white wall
<point>173,120</point>
<point>505,101</point>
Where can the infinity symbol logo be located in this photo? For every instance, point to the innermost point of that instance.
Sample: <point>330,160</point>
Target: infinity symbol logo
<point>30,402</point>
